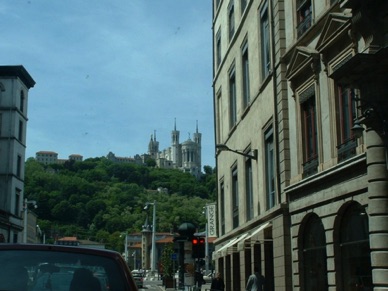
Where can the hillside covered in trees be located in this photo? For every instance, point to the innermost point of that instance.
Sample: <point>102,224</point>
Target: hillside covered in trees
<point>99,200</point>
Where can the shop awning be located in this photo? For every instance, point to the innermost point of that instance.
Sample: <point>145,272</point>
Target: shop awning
<point>241,244</point>
<point>257,230</point>
<point>229,243</point>
<point>240,240</point>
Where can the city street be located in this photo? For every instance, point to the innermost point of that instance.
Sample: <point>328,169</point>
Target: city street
<point>157,285</point>
<point>152,285</point>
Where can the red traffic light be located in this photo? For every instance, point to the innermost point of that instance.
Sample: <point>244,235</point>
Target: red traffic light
<point>198,247</point>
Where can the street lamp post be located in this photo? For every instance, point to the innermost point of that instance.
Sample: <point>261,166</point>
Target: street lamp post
<point>134,259</point>
<point>206,247</point>
<point>125,246</point>
<point>206,244</point>
<point>25,208</point>
<point>153,246</point>
<point>42,235</point>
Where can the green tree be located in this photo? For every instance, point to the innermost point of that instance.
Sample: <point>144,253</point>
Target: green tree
<point>166,260</point>
<point>99,199</point>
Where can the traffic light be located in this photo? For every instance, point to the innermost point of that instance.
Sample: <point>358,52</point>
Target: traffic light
<point>198,249</point>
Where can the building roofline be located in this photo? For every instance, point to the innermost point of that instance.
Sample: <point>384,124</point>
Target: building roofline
<point>18,71</point>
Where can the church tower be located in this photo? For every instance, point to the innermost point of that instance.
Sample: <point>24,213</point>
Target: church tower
<point>153,146</point>
<point>185,156</point>
<point>197,136</point>
<point>175,146</point>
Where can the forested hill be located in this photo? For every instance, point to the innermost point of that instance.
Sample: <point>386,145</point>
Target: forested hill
<point>99,200</point>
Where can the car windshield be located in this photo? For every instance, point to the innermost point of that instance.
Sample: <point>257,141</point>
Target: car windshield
<point>43,270</point>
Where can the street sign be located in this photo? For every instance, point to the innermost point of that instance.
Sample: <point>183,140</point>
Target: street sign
<point>174,256</point>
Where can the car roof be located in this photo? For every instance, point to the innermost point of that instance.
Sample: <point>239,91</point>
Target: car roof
<point>59,248</point>
<point>109,254</point>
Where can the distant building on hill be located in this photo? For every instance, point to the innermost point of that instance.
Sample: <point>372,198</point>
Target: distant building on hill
<point>136,159</point>
<point>185,156</point>
<point>48,157</point>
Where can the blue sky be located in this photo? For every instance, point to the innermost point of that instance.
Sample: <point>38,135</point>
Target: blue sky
<point>110,72</point>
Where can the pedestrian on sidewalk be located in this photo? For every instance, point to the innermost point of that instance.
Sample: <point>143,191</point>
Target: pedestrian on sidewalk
<point>255,281</point>
<point>217,283</point>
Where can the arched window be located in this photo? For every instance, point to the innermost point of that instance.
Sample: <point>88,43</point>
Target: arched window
<point>354,247</point>
<point>314,266</point>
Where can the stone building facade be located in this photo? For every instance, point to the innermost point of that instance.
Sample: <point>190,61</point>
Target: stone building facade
<point>15,83</point>
<point>292,80</point>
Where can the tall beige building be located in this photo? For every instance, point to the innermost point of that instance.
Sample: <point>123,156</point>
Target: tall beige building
<point>15,83</point>
<point>300,195</point>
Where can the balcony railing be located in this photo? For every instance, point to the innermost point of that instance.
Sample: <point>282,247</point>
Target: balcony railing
<point>310,167</point>
<point>304,24</point>
<point>347,149</point>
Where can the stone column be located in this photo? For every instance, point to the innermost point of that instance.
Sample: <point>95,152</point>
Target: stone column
<point>378,207</point>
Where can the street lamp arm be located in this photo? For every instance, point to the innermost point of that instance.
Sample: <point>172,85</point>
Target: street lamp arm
<point>223,147</point>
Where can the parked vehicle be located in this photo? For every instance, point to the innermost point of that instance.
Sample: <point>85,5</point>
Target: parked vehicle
<point>52,267</point>
<point>139,278</point>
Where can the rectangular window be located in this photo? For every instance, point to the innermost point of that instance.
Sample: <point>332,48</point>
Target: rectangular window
<point>231,19</point>
<point>232,99</point>
<point>19,167</point>
<point>235,197</point>
<point>22,101</point>
<point>245,74</point>
<point>265,41</point>
<point>17,202</point>
<point>310,140</point>
<point>346,112</point>
<point>222,208</point>
<point>304,16</point>
<point>20,135</point>
<point>248,189</point>
<point>269,168</point>
<point>243,5</point>
<point>218,48</point>
<point>219,117</point>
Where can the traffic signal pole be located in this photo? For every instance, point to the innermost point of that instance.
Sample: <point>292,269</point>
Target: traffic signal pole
<point>206,249</point>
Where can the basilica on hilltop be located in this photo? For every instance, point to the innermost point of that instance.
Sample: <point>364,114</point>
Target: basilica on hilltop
<point>185,156</point>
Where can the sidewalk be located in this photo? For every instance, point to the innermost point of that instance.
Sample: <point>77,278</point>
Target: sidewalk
<point>205,287</point>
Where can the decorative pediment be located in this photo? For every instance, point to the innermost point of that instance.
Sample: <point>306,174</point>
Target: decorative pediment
<point>336,25</point>
<point>303,58</point>
<point>304,63</point>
